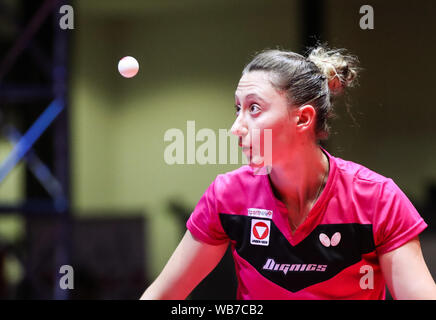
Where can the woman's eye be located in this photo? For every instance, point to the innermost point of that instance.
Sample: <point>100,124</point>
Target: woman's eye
<point>237,108</point>
<point>254,108</point>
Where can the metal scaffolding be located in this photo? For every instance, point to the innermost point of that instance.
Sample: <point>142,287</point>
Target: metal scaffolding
<point>34,89</point>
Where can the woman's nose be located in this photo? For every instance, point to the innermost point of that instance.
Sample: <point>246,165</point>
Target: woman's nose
<point>238,128</point>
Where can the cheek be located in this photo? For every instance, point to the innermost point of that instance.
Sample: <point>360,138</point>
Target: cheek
<point>282,134</point>
<point>272,129</point>
<point>272,138</point>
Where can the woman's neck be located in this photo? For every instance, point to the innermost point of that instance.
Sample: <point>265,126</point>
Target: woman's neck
<point>299,181</point>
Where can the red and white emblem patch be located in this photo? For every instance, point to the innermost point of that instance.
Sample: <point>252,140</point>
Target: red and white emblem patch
<point>260,230</point>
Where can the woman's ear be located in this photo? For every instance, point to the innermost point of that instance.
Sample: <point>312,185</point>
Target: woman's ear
<point>305,117</point>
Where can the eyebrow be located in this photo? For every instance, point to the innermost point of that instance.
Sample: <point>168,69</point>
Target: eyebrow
<point>253,95</point>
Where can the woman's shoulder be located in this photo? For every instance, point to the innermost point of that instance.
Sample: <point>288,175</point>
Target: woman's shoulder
<point>366,188</point>
<point>359,172</point>
<point>363,182</point>
<point>239,180</point>
<point>242,174</point>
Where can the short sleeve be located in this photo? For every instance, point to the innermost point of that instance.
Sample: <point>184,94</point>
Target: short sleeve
<point>396,219</point>
<point>204,223</point>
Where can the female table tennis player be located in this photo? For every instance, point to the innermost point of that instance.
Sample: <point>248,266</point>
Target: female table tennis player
<point>316,226</point>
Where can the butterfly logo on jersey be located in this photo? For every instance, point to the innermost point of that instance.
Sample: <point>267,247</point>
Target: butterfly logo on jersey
<point>260,230</point>
<point>327,242</point>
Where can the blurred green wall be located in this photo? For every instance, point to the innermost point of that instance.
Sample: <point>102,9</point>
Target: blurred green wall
<point>191,58</point>
<point>11,190</point>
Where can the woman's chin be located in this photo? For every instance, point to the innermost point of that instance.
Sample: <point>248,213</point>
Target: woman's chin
<point>259,167</point>
<point>256,164</point>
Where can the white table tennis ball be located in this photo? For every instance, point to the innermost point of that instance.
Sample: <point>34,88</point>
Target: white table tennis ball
<point>128,67</point>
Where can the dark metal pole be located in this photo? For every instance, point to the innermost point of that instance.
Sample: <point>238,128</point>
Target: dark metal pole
<point>62,150</point>
<point>23,41</point>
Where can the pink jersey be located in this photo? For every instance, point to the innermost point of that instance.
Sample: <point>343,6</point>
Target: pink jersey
<point>332,254</point>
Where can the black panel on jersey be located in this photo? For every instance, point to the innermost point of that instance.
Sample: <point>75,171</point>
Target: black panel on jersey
<point>356,239</point>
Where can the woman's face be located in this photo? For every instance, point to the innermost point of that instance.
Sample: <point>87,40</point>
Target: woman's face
<point>259,107</point>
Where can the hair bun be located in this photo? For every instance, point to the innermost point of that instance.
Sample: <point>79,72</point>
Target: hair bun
<point>337,66</point>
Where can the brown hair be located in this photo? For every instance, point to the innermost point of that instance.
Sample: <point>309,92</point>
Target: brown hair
<point>314,79</point>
